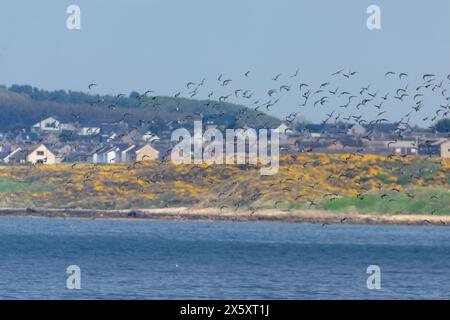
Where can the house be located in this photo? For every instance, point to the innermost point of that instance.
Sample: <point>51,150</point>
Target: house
<point>149,137</point>
<point>283,130</point>
<point>377,147</point>
<point>108,154</point>
<point>50,124</point>
<point>356,130</point>
<point>68,127</point>
<point>89,131</point>
<point>16,156</point>
<point>445,149</point>
<point>113,136</point>
<point>387,130</point>
<point>403,147</point>
<point>440,148</point>
<point>326,129</point>
<point>147,153</point>
<point>41,155</point>
<point>128,155</point>
<point>79,156</point>
<point>4,152</point>
<point>81,152</point>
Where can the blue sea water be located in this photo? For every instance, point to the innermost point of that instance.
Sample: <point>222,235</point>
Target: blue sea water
<point>199,260</point>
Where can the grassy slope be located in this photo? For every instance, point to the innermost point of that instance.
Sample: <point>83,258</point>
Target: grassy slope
<point>419,201</point>
<point>366,184</point>
<point>8,185</point>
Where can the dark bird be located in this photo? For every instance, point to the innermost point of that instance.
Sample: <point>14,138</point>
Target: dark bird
<point>337,72</point>
<point>276,77</point>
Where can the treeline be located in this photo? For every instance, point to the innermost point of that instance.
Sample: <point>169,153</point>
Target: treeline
<point>23,105</point>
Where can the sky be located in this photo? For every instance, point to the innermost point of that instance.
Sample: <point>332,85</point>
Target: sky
<point>127,45</point>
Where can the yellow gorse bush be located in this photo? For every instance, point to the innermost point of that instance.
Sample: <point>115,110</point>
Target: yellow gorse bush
<point>306,177</point>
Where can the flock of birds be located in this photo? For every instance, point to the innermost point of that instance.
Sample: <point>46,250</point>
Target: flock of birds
<point>329,97</point>
<point>341,104</point>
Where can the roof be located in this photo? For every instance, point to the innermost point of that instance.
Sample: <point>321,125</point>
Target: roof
<point>326,128</point>
<point>439,142</point>
<point>129,148</point>
<point>18,151</point>
<point>33,148</point>
<point>48,118</point>
<point>146,146</point>
<point>387,127</point>
<point>402,144</point>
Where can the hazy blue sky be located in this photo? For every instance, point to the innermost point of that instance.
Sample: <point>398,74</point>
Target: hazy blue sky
<point>129,45</point>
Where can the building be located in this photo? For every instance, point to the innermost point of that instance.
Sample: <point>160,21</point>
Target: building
<point>439,148</point>
<point>89,131</point>
<point>150,137</point>
<point>283,130</point>
<point>128,155</point>
<point>108,154</point>
<point>445,149</point>
<point>147,153</point>
<point>356,130</point>
<point>42,155</point>
<point>49,124</point>
<point>403,147</point>
<point>16,156</point>
<point>3,154</point>
<point>68,127</point>
<point>326,129</point>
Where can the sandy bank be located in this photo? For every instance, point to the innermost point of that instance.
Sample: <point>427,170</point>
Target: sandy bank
<point>214,214</point>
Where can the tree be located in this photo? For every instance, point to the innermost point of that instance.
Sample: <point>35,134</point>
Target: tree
<point>443,125</point>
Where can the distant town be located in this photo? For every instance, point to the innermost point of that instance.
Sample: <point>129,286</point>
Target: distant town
<point>51,141</point>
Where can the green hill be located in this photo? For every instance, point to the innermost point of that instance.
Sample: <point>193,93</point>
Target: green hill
<point>22,106</point>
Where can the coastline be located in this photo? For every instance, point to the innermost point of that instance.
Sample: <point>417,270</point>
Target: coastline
<point>217,215</point>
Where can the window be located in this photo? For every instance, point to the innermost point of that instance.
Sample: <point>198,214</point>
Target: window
<point>40,153</point>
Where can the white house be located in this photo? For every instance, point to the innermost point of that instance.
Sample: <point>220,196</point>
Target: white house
<point>107,155</point>
<point>283,130</point>
<point>39,154</point>
<point>43,155</point>
<point>403,147</point>
<point>112,137</point>
<point>49,124</point>
<point>127,155</point>
<point>89,131</point>
<point>150,137</point>
<point>68,127</point>
<point>357,130</point>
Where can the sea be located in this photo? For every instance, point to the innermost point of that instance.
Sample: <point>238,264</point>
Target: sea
<point>137,259</point>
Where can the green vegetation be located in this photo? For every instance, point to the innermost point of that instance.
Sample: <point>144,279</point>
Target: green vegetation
<point>23,106</point>
<point>11,185</point>
<point>443,125</point>
<point>416,201</point>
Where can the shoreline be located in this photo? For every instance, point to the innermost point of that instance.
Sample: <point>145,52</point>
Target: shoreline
<point>217,215</point>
